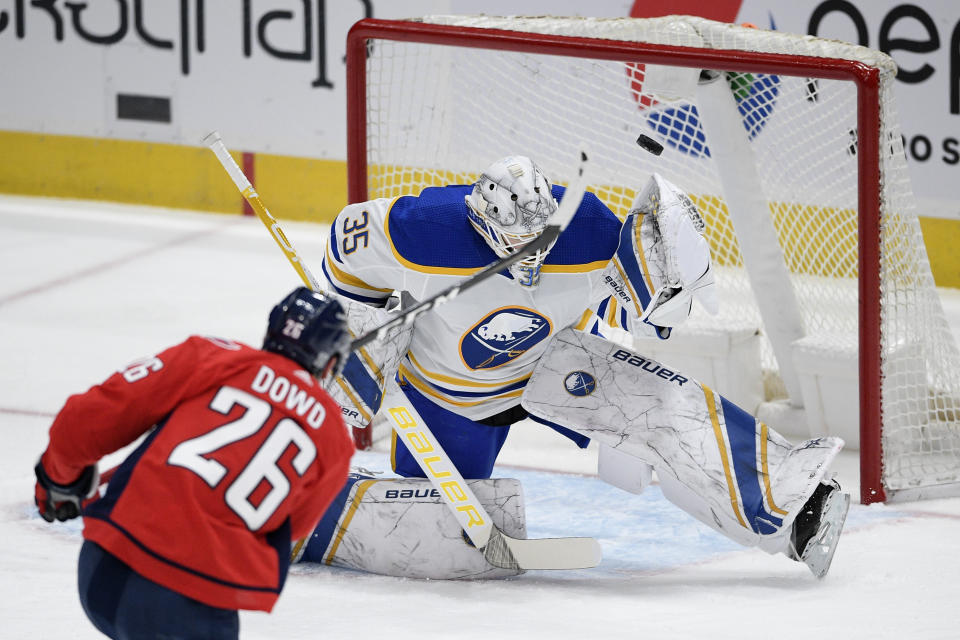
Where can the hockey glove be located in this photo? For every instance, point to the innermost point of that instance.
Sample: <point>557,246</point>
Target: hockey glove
<point>663,258</point>
<point>64,502</point>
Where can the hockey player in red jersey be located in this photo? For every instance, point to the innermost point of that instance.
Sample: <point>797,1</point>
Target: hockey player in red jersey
<point>245,451</point>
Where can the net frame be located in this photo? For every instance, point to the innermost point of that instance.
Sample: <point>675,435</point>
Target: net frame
<point>866,79</point>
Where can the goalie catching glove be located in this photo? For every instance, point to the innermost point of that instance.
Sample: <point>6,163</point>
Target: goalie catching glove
<point>663,260</point>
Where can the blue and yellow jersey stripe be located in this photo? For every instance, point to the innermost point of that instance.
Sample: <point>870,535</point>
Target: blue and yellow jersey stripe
<point>433,376</point>
<point>574,268</point>
<point>350,286</point>
<point>458,398</point>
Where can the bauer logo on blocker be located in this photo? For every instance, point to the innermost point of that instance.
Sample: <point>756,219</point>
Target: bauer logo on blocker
<point>502,336</point>
<point>580,383</point>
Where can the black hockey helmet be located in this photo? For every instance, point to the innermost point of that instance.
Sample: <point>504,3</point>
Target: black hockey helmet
<point>310,328</point>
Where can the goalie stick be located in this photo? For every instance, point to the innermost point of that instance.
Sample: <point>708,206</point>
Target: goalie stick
<point>213,141</point>
<point>499,549</point>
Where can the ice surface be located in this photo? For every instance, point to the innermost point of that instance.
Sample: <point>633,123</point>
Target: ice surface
<point>88,287</point>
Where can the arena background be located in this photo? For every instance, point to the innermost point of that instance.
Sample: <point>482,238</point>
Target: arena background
<point>109,99</point>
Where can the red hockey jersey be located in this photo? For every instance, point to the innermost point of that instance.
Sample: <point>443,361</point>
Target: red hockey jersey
<point>247,453</point>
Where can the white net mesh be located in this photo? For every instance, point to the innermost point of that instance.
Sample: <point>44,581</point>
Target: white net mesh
<point>439,114</point>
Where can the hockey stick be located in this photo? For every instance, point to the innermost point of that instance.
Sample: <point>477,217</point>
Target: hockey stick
<point>213,141</point>
<point>499,549</point>
<point>246,189</point>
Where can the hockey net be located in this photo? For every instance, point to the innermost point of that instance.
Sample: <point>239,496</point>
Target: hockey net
<point>789,145</point>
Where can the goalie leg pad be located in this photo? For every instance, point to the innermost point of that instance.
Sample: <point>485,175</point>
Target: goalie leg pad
<point>714,460</point>
<point>401,527</point>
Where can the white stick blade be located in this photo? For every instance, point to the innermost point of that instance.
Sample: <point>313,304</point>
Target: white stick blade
<point>551,553</point>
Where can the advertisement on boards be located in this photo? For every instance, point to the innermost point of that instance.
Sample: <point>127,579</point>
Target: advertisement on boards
<point>269,74</point>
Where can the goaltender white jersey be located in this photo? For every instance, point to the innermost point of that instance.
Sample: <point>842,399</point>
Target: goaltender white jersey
<point>473,355</point>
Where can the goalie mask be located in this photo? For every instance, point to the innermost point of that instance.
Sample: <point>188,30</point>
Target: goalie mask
<point>509,207</point>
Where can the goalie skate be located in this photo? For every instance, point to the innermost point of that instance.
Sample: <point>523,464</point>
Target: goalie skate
<point>817,551</point>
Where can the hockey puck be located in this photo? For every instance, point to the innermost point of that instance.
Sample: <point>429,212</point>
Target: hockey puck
<point>650,144</point>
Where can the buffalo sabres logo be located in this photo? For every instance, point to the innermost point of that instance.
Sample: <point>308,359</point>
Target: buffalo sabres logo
<point>502,336</point>
<point>579,383</point>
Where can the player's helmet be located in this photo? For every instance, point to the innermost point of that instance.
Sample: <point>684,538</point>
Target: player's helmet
<point>509,206</point>
<point>310,328</point>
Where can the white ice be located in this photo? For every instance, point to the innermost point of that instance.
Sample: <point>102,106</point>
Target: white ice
<point>87,287</point>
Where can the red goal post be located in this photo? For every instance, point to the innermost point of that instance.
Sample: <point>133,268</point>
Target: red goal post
<point>378,86</point>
